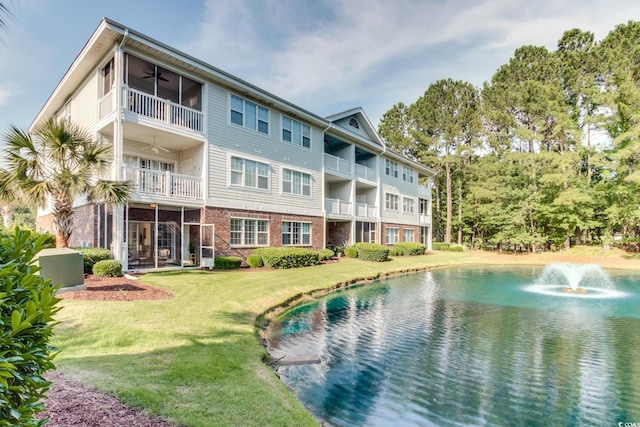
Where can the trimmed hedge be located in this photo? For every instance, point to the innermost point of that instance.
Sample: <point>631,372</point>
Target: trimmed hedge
<point>254,261</point>
<point>325,254</point>
<point>287,257</point>
<point>227,262</point>
<point>92,256</point>
<point>440,246</point>
<point>394,252</point>
<point>27,306</point>
<point>108,268</point>
<point>351,252</point>
<point>410,248</point>
<point>372,252</point>
<point>455,248</point>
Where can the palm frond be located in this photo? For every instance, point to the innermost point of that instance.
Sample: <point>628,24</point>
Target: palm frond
<point>110,192</point>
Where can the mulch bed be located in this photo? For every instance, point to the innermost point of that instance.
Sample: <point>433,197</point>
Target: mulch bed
<point>116,289</point>
<point>71,404</point>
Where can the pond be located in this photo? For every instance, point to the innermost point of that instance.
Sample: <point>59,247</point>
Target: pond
<point>468,346</point>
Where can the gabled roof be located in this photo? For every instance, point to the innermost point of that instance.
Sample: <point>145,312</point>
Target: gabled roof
<point>355,120</point>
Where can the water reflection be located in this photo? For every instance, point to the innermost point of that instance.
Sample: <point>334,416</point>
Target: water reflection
<point>464,346</point>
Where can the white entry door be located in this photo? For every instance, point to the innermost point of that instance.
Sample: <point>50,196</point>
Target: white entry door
<point>206,245</point>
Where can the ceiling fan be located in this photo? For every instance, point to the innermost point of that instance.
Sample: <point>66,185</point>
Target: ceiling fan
<point>154,74</point>
<point>155,147</point>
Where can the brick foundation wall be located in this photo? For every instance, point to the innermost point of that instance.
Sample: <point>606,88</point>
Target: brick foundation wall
<point>221,218</point>
<point>401,228</point>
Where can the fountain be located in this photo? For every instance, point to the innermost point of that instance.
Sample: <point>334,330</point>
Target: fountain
<point>586,280</point>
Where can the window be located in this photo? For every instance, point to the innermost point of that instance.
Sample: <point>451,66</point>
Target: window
<point>296,233</point>
<point>353,122</point>
<point>408,235</point>
<point>249,115</point>
<point>391,202</point>
<point>407,174</point>
<point>249,232</point>
<point>247,173</point>
<point>408,205</point>
<point>108,77</point>
<point>365,232</point>
<point>391,168</point>
<point>296,132</point>
<point>294,182</point>
<point>392,235</point>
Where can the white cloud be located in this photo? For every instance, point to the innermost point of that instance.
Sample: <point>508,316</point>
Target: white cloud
<point>5,94</point>
<point>372,45</point>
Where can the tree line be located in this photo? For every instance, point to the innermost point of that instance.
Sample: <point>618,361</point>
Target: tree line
<point>543,155</point>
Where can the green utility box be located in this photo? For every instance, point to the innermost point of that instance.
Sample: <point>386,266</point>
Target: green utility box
<point>63,266</point>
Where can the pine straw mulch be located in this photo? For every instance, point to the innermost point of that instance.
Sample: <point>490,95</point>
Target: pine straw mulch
<point>71,404</point>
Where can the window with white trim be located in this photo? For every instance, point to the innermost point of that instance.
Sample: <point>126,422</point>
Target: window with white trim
<point>249,232</point>
<point>296,233</point>
<point>294,182</point>
<point>408,235</point>
<point>249,173</point>
<point>408,205</point>
<point>391,202</point>
<point>391,168</point>
<point>407,174</point>
<point>392,235</point>
<point>249,115</point>
<point>296,132</point>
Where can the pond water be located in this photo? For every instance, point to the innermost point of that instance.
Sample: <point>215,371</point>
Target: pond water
<point>465,346</point>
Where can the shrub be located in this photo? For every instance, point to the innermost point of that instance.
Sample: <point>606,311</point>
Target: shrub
<point>227,262</point>
<point>394,252</point>
<point>372,252</point>
<point>410,248</point>
<point>27,306</point>
<point>92,256</point>
<point>324,254</point>
<point>351,252</point>
<point>440,246</point>
<point>108,268</point>
<point>254,261</point>
<point>455,248</point>
<point>287,257</point>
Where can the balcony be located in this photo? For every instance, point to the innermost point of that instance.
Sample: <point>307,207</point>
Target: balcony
<point>366,211</point>
<point>424,192</point>
<point>366,173</point>
<point>338,207</point>
<point>424,218</point>
<point>163,110</point>
<point>337,164</point>
<point>162,183</point>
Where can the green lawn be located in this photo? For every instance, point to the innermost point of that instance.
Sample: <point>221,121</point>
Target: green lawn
<point>196,359</point>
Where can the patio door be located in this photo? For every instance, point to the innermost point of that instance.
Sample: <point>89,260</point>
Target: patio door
<point>206,245</point>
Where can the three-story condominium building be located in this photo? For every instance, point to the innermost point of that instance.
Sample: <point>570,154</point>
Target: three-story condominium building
<point>220,166</point>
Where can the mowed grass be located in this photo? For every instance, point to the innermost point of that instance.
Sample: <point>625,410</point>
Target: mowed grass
<point>196,359</point>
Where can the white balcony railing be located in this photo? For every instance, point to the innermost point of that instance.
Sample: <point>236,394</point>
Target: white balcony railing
<point>365,172</point>
<point>163,183</point>
<point>366,211</point>
<point>424,218</point>
<point>335,163</point>
<point>337,207</point>
<point>424,192</point>
<point>164,110</point>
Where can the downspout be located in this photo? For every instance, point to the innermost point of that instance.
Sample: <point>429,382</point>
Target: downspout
<point>324,235</point>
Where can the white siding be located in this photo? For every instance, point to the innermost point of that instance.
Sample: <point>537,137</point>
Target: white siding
<point>228,140</point>
<point>84,104</point>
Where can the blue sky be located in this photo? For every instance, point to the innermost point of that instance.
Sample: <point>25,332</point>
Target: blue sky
<point>323,55</point>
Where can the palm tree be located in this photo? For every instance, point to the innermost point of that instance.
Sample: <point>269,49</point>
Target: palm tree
<point>52,168</point>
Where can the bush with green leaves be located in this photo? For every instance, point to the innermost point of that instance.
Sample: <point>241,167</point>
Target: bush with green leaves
<point>91,256</point>
<point>394,252</point>
<point>372,252</point>
<point>351,252</point>
<point>410,248</point>
<point>455,248</point>
<point>325,254</point>
<point>254,261</point>
<point>227,262</point>
<point>440,246</point>
<point>107,268</point>
<point>27,306</point>
<point>287,257</point>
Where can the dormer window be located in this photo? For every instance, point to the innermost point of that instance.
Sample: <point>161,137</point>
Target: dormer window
<point>353,122</point>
